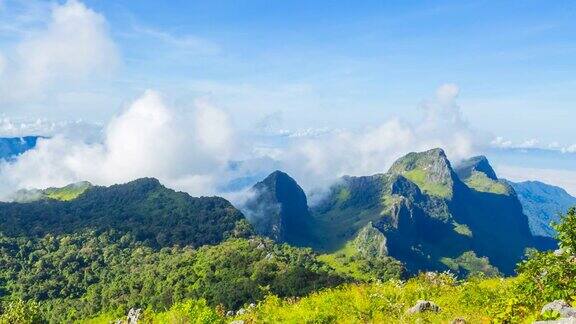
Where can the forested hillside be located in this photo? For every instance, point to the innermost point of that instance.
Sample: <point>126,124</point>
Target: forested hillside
<point>142,245</point>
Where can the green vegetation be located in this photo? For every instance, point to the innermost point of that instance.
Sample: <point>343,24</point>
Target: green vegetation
<point>350,263</point>
<point>78,276</point>
<point>480,182</point>
<point>469,264</point>
<point>476,300</point>
<point>196,260</point>
<point>421,178</point>
<point>343,195</point>
<point>462,229</point>
<point>153,214</point>
<point>67,193</point>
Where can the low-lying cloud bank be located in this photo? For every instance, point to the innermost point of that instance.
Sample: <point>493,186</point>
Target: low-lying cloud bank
<point>201,153</point>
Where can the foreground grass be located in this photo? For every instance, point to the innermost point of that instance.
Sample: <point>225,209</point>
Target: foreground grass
<point>476,300</point>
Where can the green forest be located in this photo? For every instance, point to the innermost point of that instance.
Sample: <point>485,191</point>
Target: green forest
<point>111,250</point>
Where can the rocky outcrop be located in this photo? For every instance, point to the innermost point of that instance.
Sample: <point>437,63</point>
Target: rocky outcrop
<point>279,208</point>
<point>561,307</point>
<point>423,306</point>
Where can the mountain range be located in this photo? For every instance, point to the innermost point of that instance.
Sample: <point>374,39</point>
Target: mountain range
<point>423,211</point>
<point>543,204</point>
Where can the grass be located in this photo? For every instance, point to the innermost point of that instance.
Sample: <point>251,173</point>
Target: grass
<point>420,177</point>
<point>480,182</point>
<point>475,301</point>
<point>70,192</point>
<point>343,262</point>
<point>469,263</point>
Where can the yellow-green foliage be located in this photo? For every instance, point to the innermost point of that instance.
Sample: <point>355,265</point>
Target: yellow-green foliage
<point>462,229</point>
<point>469,263</point>
<point>67,193</point>
<point>343,262</point>
<point>476,301</point>
<point>420,177</point>
<point>186,312</point>
<point>480,182</point>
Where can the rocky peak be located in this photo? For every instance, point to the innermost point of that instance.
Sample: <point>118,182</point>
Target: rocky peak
<point>278,208</point>
<point>430,170</point>
<point>479,164</point>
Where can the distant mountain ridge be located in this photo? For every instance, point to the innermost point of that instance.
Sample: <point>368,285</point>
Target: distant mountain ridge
<point>14,146</point>
<point>433,216</point>
<point>543,204</point>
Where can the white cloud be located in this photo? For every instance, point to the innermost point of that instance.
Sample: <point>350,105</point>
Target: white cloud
<point>319,160</point>
<point>563,178</point>
<point>78,129</point>
<point>147,139</point>
<point>569,149</point>
<point>447,93</point>
<point>74,45</point>
<point>193,152</point>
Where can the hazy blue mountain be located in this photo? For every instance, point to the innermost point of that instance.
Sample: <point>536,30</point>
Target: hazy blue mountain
<point>432,216</point>
<point>13,146</point>
<point>543,204</point>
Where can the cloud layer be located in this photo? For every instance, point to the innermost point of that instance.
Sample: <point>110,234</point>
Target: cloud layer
<point>201,153</point>
<point>147,139</point>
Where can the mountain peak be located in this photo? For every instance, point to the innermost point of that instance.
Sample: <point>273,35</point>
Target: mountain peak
<point>430,170</point>
<point>477,163</point>
<point>279,207</point>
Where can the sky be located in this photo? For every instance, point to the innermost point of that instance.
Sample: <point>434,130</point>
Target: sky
<point>319,88</point>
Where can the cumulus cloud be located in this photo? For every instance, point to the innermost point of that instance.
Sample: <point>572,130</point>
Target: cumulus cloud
<point>323,158</point>
<point>146,139</point>
<point>74,45</point>
<point>201,153</point>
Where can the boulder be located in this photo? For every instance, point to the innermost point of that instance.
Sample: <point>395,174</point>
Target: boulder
<point>569,320</point>
<point>561,307</point>
<point>423,306</point>
<point>133,315</point>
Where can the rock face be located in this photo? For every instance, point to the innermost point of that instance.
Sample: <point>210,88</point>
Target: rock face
<point>370,242</point>
<point>133,316</point>
<point>475,164</point>
<point>561,307</point>
<point>559,321</point>
<point>279,209</point>
<point>423,306</point>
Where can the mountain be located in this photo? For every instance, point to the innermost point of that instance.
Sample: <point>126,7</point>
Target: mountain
<point>152,213</point>
<point>13,146</point>
<point>543,204</point>
<point>279,209</point>
<point>69,192</point>
<point>432,216</point>
<point>75,253</point>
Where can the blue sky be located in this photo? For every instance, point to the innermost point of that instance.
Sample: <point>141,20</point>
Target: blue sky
<point>513,60</point>
<point>301,66</point>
